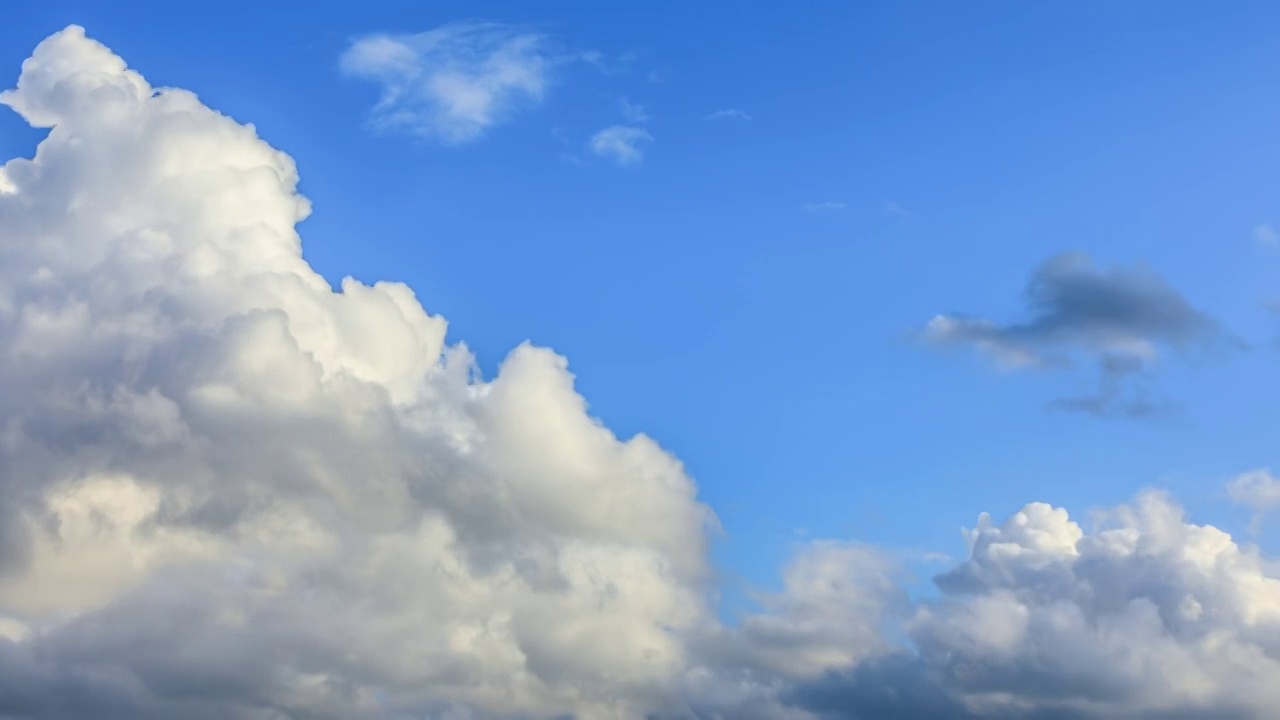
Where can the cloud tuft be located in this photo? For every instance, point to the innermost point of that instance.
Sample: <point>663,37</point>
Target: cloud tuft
<point>453,83</point>
<point>620,143</point>
<point>728,114</point>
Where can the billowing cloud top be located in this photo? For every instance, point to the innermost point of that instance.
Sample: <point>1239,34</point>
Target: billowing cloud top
<point>218,471</point>
<point>228,491</point>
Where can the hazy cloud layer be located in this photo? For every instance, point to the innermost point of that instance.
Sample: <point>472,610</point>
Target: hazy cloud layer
<point>454,83</point>
<point>1120,319</point>
<point>1267,236</point>
<point>227,491</point>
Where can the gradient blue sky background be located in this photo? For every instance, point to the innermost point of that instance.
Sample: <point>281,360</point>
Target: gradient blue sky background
<point>748,293</point>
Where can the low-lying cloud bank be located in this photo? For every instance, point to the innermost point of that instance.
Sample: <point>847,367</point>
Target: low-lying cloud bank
<point>227,491</point>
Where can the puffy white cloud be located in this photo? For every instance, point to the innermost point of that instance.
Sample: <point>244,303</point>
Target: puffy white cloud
<point>228,491</point>
<point>622,144</point>
<point>454,82</point>
<point>1144,616</point>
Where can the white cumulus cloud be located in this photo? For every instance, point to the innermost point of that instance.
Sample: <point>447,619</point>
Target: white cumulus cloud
<point>228,491</point>
<point>453,83</point>
<point>1145,615</point>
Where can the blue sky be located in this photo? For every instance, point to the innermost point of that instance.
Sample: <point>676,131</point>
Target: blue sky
<point>749,293</point>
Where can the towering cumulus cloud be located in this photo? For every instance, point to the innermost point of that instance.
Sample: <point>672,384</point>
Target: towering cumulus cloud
<point>228,491</point>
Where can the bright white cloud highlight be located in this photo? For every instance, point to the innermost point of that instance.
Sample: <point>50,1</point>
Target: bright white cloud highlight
<point>621,144</point>
<point>453,83</point>
<point>227,491</point>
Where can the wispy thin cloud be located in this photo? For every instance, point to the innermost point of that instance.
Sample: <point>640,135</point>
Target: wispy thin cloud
<point>825,206</point>
<point>1267,236</point>
<point>1257,490</point>
<point>607,65</point>
<point>892,208</point>
<point>728,114</point>
<point>633,112</point>
<point>453,83</point>
<point>620,143</point>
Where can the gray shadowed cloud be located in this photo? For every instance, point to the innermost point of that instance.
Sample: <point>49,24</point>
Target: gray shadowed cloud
<point>1121,320</point>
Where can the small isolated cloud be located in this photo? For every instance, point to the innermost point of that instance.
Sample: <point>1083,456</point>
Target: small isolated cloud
<point>633,112</point>
<point>728,114</point>
<point>1257,490</point>
<point>826,206</point>
<point>1267,236</point>
<point>453,83</point>
<point>620,143</point>
<point>1121,320</point>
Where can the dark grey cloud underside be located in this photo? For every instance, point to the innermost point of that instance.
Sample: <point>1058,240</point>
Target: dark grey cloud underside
<point>1109,316</point>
